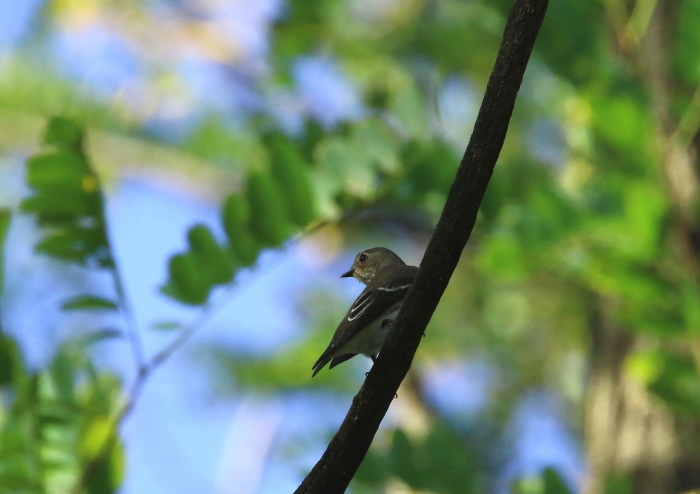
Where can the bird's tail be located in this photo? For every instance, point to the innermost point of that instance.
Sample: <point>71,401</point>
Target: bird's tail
<point>320,363</point>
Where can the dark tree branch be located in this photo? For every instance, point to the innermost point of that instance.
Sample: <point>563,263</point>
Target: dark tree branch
<point>338,465</point>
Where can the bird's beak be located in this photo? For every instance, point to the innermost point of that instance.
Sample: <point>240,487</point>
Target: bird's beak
<point>348,274</point>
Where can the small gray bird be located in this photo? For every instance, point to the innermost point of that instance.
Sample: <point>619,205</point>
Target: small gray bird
<point>365,326</point>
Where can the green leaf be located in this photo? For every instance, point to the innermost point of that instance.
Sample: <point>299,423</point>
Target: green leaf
<point>410,109</point>
<point>291,171</point>
<point>554,483</point>
<point>109,471</point>
<point>373,470</point>
<point>678,385</point>
<point>401,457</point>
<point>64,133</point>
<point>244,248</point>
<point>185,283</point>
<point>54,207</point>
<point>10,359</point>
<point>193,274</point>
<point>623,122</point>
<point>618,483</point>
<point>80,302</point>
<point>215,263</point>
<point>344,168</point>
<point>67,199</point>
<point>78,245</point>
<point>691,307</point>
<point>235,215</point>
<point>269,218</point>
<point>66,170</point>
<point>686,41</point>
<point>374,140</point>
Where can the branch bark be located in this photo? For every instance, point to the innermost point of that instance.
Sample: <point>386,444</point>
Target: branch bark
<point>338,465</point>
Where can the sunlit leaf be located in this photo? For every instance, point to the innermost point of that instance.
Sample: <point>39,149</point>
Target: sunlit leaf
<point>94,436</point>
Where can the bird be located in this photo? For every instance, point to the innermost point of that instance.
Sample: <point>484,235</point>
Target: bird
<point>367,322</point>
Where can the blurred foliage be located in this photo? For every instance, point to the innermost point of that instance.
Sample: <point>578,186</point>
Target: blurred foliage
<point>549,482</point>
<point>578,211</point>
<point>54,422</point>
<point>438,462</point>
<point>67,199</point>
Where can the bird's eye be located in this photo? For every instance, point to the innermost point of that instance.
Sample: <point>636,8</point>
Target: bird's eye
<point>363,257</point>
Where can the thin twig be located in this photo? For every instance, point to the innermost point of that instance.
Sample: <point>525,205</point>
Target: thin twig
<point>132,329</point>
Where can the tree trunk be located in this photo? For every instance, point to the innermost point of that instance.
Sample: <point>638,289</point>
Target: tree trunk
<point>627,430</point>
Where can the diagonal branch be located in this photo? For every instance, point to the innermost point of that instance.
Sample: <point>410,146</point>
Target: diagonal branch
<point>338,465</point>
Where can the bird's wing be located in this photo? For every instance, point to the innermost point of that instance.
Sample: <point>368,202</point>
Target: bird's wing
<point>374,300</point>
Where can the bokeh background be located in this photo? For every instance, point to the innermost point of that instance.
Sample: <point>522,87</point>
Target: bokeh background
<point>564,356</point>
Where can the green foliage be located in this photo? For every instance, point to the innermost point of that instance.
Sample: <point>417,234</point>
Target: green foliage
<point>686,58</point>
<point>590,234</point>
<point>67,199</point>
<point>305,182</point>
<point>196,272</point>
<point>64,133</point>
<point>291,172</point>
<point>10,360</point>
<point>235,217</point>
<point>574,40</point>
<point>439,462</point>
<point>677,383</point>
<point>549,482</point>
<point>269,217</point>
<point>49,430</point>
<point>618,483</point>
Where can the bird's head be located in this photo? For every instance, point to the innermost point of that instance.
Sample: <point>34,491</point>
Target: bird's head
<point>369,261</point>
